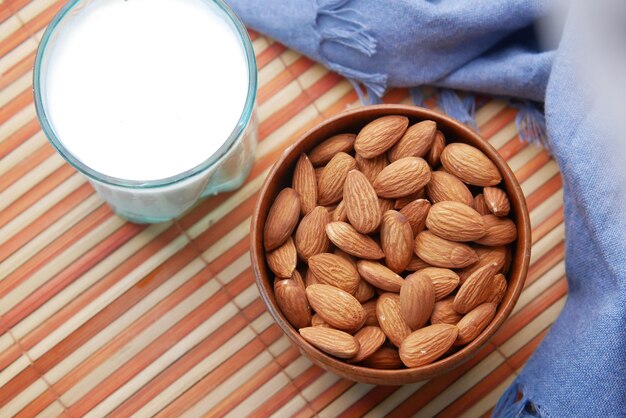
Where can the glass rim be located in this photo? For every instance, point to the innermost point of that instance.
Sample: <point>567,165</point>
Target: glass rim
<point>242,123</point>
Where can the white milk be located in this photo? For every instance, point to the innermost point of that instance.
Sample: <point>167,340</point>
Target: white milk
<point>145,89</point>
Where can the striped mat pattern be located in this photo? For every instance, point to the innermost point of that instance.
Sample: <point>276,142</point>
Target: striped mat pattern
<point>102,317</point>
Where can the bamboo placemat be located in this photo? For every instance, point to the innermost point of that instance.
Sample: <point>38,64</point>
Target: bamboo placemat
<point>102,317</point>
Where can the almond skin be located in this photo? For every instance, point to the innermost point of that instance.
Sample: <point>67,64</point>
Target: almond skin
<point>474,323</point>
<point>370,340</point>
<point>332,341</point>
<point>370,167</point>
<point>476,289</point>
<point>396,239</point>
<point>297,278</point>
<point>427,344</point>
<point>335,271</point>
<point>479,205</point>
<point>386,358</point>
<point>470,165</point>
<point>326,150</point>
<point>282,261</point>
<point>444,280</point>
<point>361,203</point>
<point>486,255</point>
<point>390,318</point>
<point>364,291</point>
<point>497,201</point>
<point>417,299</point>
<point>439,252</point>
<point>340,214</point>
<point>416,213</point>
<point>443,313</point>
<point>338,308</point>
<point>434,154</point>
<point>498,289</point>
<point>317,321</point>
<point>416,264</point>
<point>415,142</point>
<point>444,186</point>
<point>282,219</point>
<point>402,178</point>
<point>370,313</point>
<point>333,178</point>
<point>305,183</point>
<point>403,201</point>
<point>379,135</point>
<point>386,204</point>
<point>311,238</point>
<point>379,276</point>
<point>344,236</point>
<point>292,301</point>
<point>455,221</point>
<point>499,231</point>
<point>310,279</point>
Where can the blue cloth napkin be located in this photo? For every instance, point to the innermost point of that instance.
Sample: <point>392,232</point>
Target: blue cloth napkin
<point>493,47</point>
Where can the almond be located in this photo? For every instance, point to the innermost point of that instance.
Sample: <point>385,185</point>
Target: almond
<point>332,341</point>
<point>326,150</point>
<point>386,358</point>
<point>415,142</point>
<point>317,321</point>
<point>297,278</point>
<point>396,238</point>
<point>416,213</point>
<point>370,167</point>
<point>338,308</point>
<point>282,219</point>
<point>333,177</point>
<point>417,299</point>
<point>282,261</point>
<point>379,135</point>
<point>292,301</point>
<point>497,201</point>
<point>344,236</point>
<point>427,344</point>
<point>403,201</point>
<point>310,279</point>
<point>479,205</point>
<point>444,187</point>
<point>486,255</point>
<point>318,175</point>
<point>379,276</point>
<point>440,252</point>
<point>476,289</point>
<point>416,264</point>
<point>390,318</point>
<point>305,183</point>
<point>470,165</point>
<point>474,323</point>
<point>402,178</point>
<point>311,235</point>
<point>455,221</point>
<point>361,203</point>
<point>444,313</point>
<point>444,280</point>
<point>434,155</point>
<point>339,214</point>
<point>370,312</point>
<point>500,231</point>
<point>370,340</point>
<point>497,290</point>
<point>385,204</point>
<point>335,271</point>
<point>364,291</point>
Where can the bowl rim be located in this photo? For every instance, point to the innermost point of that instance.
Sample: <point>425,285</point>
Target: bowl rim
<point>407,375</point>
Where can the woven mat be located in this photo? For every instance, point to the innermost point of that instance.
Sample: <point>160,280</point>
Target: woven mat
<point>99,316</point>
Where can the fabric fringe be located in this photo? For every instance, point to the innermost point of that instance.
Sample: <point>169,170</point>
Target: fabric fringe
<point>509,406</point>
<point>462,110</point>
<point>531,124</point>
<point>347,30</point>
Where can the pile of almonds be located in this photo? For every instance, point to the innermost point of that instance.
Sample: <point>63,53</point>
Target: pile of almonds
<point>390,248</point>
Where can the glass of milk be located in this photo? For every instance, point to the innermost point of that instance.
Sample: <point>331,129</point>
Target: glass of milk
<point>152,100</point>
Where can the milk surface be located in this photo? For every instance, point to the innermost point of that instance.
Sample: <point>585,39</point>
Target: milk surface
<point>145,89</point>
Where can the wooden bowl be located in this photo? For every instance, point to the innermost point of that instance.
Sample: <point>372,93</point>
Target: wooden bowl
<point>351,122</point>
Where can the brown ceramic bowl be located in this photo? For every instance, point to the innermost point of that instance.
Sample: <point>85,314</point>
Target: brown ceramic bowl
<point>352,121</point>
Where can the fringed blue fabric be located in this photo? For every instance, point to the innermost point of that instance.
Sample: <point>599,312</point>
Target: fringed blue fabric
<point>511,405</point>
<point>347,30</point>
<point>531,124</point>
<point>462,110</point>
<point>417,95</point>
